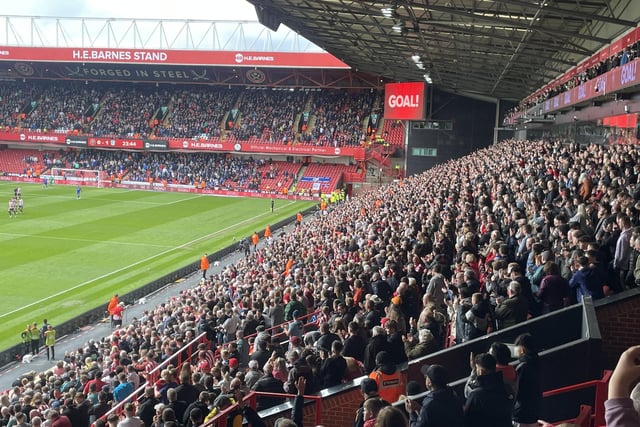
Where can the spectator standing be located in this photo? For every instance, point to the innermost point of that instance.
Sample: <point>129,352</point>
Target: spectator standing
<point>146,410</point>
<point>130,420</point>
<point>333,368</point>
<point>440,407</point>
<point>554,292</point>
<point>354,344</point>
<point>488,404</point>
<point>623,251</point>
<point>396,350</point>
<point>514,309</point>
<point>377,343</point>
<point>426,344</point>
<point>123,389</point>
<point>528,398</point>
<point>586,281</point>
<point>268,383</point>
<point>57,420</point>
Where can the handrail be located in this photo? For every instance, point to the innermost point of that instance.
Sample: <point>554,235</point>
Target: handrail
<point>273,328</point>
<point>600,394</point>
<point>251,398</point>
<point>153,375</point>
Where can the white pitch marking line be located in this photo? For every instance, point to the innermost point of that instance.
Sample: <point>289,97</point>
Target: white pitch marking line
<point>131,265</point>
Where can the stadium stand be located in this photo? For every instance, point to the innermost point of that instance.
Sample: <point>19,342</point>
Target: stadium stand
<point>382,259</point>
<point>327,176</point>
<point>326,118</point>
<point>26,162</point>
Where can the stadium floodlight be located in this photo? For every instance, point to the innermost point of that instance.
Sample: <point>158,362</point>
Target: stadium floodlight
<point>427,78</point>
<point>420,65</point>
<point>398,28</point>
<point>415,58</point>
<point>390,11</point>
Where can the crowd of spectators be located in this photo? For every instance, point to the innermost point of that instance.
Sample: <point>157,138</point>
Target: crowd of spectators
<point>339,118</point>
<point>327,117</point>
<point>194,113</point>
<point>619,58</point>
<point>213,170</point>
<point>479,243</point>
<point>268,115</point>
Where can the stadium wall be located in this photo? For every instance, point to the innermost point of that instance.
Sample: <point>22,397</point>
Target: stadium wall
<point>473,123</point>
<point>618,320</point>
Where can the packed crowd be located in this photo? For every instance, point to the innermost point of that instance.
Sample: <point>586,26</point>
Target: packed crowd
<point>477,244</point>
<point>268,115</point>
<point>196,113</point>
<point>339,119</point>
<point>622,57</point>
<point>213,169</point>
<point>144,111</point>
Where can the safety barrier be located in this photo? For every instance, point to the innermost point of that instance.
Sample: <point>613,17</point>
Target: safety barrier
<point>251,400</point>
<point>597,417</point>
<point>185,354</point>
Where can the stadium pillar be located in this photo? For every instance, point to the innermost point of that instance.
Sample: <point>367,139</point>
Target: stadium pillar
<point>496,124</point>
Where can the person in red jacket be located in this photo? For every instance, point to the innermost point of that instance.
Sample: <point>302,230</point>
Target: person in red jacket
<point>58,420</point>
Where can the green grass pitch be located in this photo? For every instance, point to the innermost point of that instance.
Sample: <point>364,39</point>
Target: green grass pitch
<point>64,256</point>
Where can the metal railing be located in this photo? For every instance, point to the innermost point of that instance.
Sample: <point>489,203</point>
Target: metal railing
<point>185,354</point>
<point>251,400</point>
<point>597,418</point>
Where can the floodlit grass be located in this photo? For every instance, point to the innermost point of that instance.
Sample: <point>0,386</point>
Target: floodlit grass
<point>64,256</point>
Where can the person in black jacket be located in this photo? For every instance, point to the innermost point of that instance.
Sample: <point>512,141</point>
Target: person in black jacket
<point>441,406</point>
<point>333,368</point>
<point>327,338</point>
<point>396,345</point>
<point>202,404</point>
<point>528,398</point>
<point>146,410</point>
<point>488,404</point>
<point>269,384</point>
<point>377,343</point>
<point>355,344</point>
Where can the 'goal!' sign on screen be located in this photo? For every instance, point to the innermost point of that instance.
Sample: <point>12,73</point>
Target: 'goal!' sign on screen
<point>404,101</point>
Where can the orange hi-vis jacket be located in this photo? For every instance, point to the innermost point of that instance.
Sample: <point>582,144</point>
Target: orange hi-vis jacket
<point>390,386</point>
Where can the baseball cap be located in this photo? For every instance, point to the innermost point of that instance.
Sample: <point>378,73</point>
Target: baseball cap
<point>233,362</point>
<point>436,373</point>
<point>369,386</point>
<point>413,389</point>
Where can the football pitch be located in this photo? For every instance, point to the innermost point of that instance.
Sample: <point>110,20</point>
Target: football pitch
<point>64,256</point>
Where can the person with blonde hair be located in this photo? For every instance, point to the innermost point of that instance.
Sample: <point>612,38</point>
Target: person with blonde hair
<point>391,417</point>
